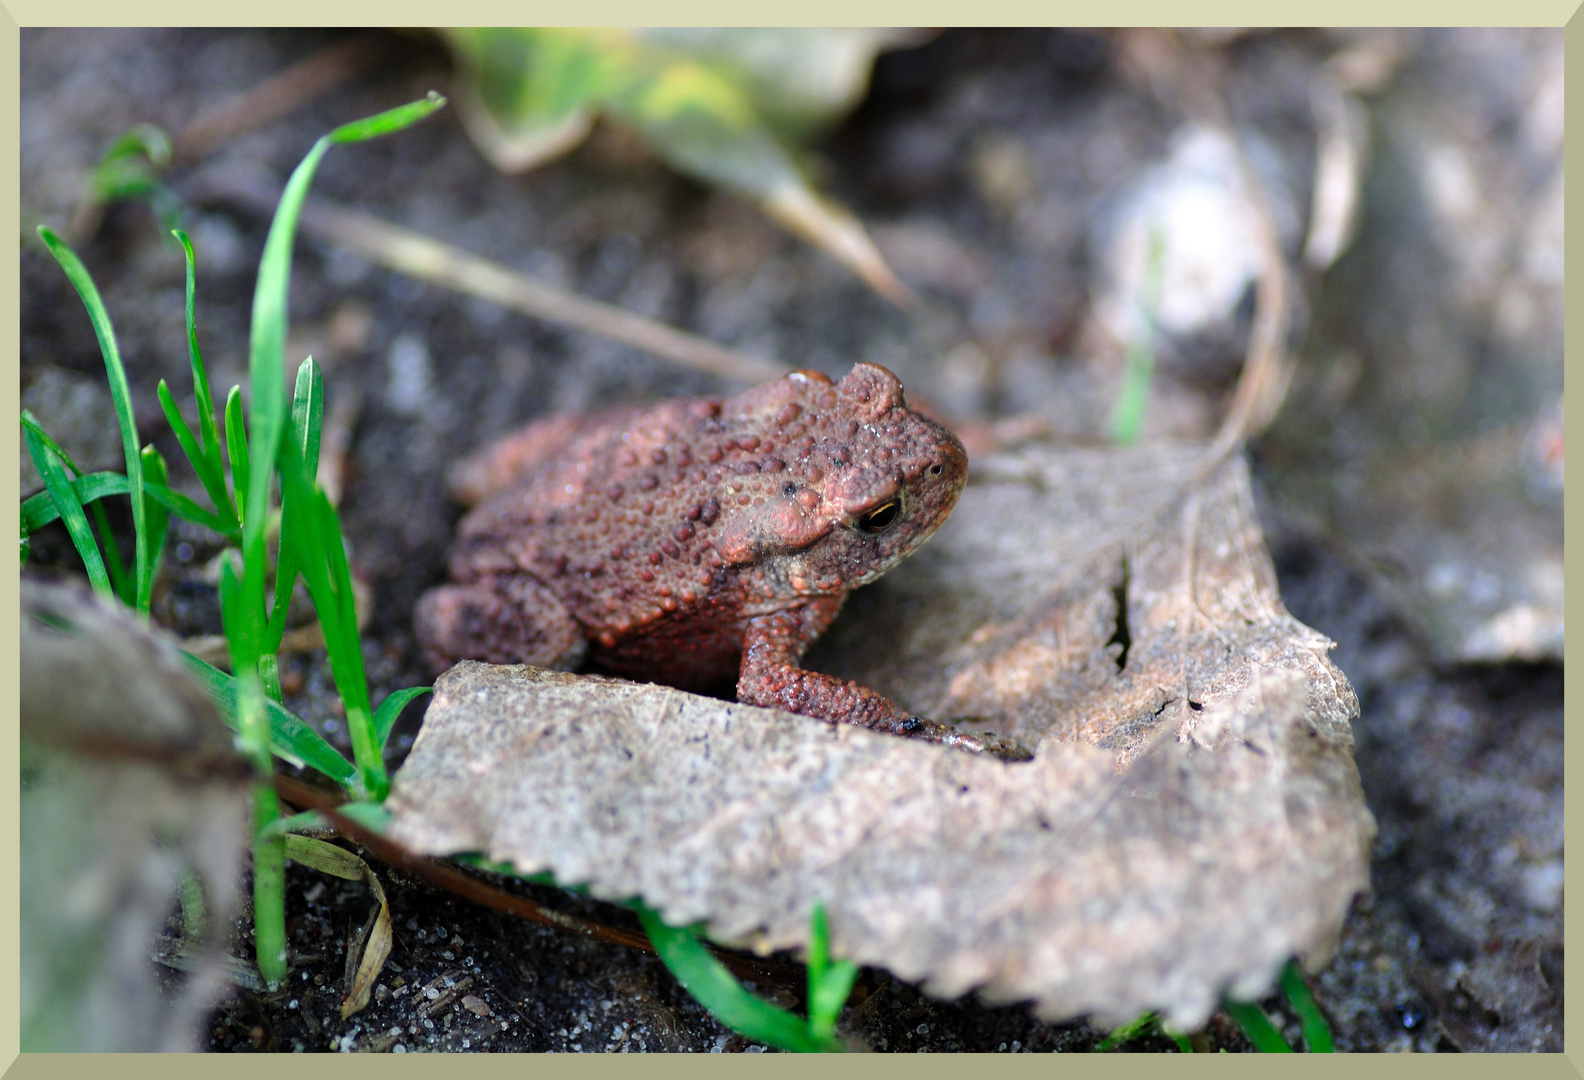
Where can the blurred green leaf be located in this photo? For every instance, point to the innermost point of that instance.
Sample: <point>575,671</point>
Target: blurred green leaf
<point>829,984</point>
<point>130,169</point>
<point>289,737</point>
<point>144,140</point>
<point>707,102</point>
<point>800,79</point>
<point>1317,1033</point>
<point>370,815</point>
<point>1257,1026</point>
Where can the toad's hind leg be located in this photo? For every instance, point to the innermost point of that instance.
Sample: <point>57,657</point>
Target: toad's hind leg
<point>511,460</point>
<point>506,619</point>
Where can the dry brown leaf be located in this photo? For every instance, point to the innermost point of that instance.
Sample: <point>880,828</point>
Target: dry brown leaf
<point>1192,819</point>
<point>327,858</point>
<point>1011,611</point>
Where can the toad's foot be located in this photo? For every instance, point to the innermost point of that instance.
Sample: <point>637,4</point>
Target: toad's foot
<point>1000,746</point>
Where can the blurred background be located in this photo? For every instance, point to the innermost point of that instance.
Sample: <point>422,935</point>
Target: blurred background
<point>1081,236</point>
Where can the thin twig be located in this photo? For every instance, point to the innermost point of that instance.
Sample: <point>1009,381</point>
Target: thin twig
<point>430,260</point>
<point>427,259</point>
<point>1267,367</point>
<point>277,95</point>
<point>452,880</point>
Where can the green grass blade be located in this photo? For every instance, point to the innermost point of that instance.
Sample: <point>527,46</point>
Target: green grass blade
<point>1126,1033</point>
<point>176,503</point>
<point>269,885</point>
<point>59,489</point>
<point>308,413</point>
<point>385,123</point>
<point>307,422</point>
<point>269,675</point>
<point>30,422</point>
<point>308,819</point>
<point>370,815</point>
<point>120,580</point>
<point>1317,1033</point>
<point>334,593</point>
<point>829,984</point>
<point>290,737</point>
<point>121,586</point>
<point>39,510</point>
<point>389,709</point>
<point>252,717</point>
<point>189,443</point>
<point>157,516</point>
<point>267,346</point>
<point>243,638</point>
<point>209,474</point>
<point>120,393</point>
<point>728,1000</point>
<point>268,413</point>
<point>237,449</point>
<point>340,577</point>
<point>1257,1026</point>
<point>201,394</point>
<point>286,571</point>
<point>315,541</point>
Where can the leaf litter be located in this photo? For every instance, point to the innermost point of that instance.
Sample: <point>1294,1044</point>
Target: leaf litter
<point>719,105</point>
<point>1192,817</point>
<point>130,787</point>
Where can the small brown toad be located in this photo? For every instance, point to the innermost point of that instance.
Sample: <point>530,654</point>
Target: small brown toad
<point>698,540</point>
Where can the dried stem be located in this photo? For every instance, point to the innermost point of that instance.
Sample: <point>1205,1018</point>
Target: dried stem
<point>431,260</point>
<point>277,95</point>
<point>449,878</point>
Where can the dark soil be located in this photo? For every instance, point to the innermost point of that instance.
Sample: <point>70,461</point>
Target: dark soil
<point>1460,947</point>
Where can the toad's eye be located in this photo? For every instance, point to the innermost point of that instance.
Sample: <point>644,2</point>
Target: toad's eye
<point>878,519</point>
<point>936,470</point>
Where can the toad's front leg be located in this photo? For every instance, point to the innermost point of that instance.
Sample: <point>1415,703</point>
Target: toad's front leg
<point>771,676</point>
